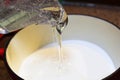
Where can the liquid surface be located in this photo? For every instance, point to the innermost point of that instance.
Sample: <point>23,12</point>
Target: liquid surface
<point>81,61</point>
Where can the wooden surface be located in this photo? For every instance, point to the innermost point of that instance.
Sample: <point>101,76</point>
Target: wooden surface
<point>111,14</point>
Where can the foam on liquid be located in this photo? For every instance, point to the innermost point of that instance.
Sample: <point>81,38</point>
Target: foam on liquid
<point>81,61</point>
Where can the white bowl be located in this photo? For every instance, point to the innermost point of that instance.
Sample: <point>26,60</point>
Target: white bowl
<point>80,27</point>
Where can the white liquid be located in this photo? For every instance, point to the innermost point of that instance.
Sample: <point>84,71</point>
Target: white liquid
<point>81,61</point>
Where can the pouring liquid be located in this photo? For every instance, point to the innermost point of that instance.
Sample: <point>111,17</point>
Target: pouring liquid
<point>58,21</point>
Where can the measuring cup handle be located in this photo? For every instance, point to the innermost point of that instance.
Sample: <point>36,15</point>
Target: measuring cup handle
<point>1,49</point>
<point>1,35</point>
<point>1,53</point>
<point>7,2</point>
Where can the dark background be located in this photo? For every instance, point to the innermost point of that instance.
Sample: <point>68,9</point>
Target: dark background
<point>103,2</point>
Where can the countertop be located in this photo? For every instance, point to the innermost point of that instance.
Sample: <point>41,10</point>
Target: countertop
<point>109,13</point>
